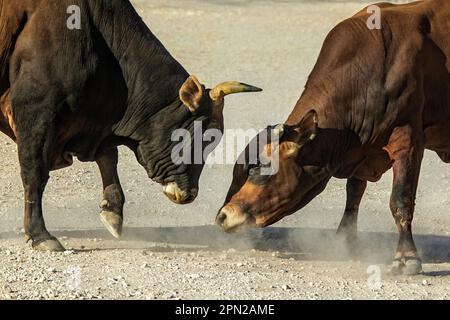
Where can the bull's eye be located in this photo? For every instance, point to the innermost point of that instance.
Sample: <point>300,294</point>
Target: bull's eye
<point>254,170</point>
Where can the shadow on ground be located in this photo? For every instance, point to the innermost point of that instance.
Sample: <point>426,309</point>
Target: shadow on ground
<point>296,243</point>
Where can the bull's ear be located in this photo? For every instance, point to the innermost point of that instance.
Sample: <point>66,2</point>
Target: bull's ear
<point>191,93</point>
<point>307,127</point>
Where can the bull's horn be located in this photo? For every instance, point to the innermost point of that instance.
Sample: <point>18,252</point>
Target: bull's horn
<point>231,87</point>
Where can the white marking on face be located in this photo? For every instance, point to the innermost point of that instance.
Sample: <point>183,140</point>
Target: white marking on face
<point>178,195</point>
<point>174,192</point>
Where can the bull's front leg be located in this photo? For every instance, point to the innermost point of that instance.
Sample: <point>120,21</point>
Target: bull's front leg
<point>35,141</point>
<point>406,150</point>
<point>113,198</point>
<point>348,227</point>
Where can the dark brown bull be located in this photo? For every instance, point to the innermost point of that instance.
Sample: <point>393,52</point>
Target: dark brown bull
<point>83,92</point>
<point>374,101</point>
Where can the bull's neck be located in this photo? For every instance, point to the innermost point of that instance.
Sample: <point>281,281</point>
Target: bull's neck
<point>319,99</point>
<point>153,78</point>
<point>152,75</point>
<point>335,139</point>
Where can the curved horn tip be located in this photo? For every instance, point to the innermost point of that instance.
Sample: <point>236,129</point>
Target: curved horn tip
<point>252,88</point>
<point>231,87</point>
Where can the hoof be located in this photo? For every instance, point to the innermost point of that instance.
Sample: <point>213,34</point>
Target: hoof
<point>397,267</point>
<point>52,245</point>
<point>412,267</point>
<point>349,243</point>
<point>113,222</point>
<point>348,238</point>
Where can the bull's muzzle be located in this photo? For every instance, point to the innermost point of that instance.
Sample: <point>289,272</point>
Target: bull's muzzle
<point>231,219</point>
<point>178,195</point>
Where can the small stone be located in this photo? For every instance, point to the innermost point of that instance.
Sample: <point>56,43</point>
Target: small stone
<point>7,289</point>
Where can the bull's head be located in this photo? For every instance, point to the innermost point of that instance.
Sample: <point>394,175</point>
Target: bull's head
<point>257,200</point>
<point>198,105</point>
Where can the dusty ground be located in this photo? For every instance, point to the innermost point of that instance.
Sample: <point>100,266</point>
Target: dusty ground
<point>171,252</point>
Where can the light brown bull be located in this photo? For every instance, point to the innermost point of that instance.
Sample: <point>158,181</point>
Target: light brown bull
<point>374,101</point>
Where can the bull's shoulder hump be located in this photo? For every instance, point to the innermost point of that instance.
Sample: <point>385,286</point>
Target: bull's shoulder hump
<point>387,7</point>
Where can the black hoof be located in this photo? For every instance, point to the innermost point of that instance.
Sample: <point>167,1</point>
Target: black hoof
<point>113,222</point>
<point>349,242</point>
<point>52,245</point>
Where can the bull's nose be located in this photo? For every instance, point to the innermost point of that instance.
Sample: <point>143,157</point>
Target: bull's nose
<point>231,219</point>
<point>179,196</point>
<point>221,217</point>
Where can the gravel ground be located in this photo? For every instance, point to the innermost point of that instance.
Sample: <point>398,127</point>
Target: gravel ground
<point>174,252</point>
<point>140,270</point>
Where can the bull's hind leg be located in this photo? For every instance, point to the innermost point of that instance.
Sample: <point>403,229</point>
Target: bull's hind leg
<point>406,150</point>
<point>113,197</point>
<point>348,227</point>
